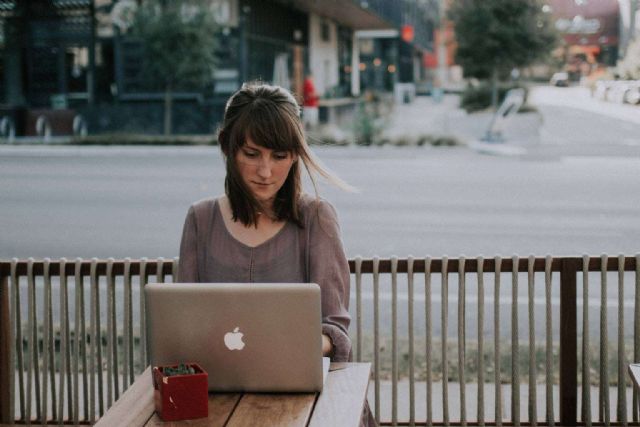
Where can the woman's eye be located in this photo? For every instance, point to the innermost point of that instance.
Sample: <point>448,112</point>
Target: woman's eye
<point>281,156</point>
<point>250,154</point>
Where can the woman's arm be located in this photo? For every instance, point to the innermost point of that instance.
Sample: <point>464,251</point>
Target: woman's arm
<point>328,267</point>
<point>188,262</point>
<point>327,346</point>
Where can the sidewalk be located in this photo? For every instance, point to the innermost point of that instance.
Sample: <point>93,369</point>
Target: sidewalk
<point>424,116</point>
<point>580,98</point>
<point>568,122</point>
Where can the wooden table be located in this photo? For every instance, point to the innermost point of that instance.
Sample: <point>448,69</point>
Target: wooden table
<point>340,404</point>
<point>634,372</point>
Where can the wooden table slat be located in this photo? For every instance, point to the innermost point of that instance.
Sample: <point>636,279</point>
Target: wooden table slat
<point>134,407</point>
<point>634,372</point>
<point>345,390</point>
<point>220,408</point>
<point>287,410</point>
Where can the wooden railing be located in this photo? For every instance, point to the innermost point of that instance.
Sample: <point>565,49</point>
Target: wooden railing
<point>59,362</point>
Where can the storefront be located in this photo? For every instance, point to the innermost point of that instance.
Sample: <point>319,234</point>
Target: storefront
<point>590,32</point>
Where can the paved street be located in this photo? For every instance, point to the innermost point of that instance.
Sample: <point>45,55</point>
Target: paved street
<point>131,201</point>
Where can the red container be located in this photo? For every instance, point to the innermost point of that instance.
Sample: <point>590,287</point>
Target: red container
<point>181,397</point>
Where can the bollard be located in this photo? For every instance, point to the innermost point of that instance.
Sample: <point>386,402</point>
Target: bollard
<point>43,128</point>
<point>7,129</point>
<point>80,128</point>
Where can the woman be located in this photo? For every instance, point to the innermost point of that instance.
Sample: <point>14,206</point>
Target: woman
<point>265,229</point>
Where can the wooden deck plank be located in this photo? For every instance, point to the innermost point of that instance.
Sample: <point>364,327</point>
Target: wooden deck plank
<point>290,410</point>
<point>134,407</point>
<point>220,408</point>
<point>342,399</point>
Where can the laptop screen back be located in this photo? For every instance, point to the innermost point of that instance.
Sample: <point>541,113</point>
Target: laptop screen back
<point>247,336</point>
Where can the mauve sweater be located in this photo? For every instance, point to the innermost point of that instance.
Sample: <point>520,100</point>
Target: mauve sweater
<point>209,253</point>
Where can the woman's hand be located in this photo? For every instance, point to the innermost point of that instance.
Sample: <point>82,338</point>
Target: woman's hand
<point>327,346</point>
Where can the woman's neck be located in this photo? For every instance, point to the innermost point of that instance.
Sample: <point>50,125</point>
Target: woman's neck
<point>266,210</point>
<point>250,235</point>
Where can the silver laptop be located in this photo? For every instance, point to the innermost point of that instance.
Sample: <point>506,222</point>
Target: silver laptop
<point>247,336</point>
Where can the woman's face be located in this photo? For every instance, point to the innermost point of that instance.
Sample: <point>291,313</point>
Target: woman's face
<point>263,170</point>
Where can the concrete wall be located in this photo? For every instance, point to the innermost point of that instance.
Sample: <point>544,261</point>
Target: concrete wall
<point>323,54</point>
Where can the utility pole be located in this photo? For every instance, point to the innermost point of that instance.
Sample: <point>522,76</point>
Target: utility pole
<point>632,22</point>
<point>441,75</point>
<point>628,36</point>
<point>243,51</point>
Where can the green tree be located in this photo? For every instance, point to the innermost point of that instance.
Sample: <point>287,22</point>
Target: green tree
<point>496,36</point>
<point>179,39</point>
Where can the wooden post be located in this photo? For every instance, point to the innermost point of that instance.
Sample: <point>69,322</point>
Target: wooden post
<point>6,413</point>
<point>568,343</point>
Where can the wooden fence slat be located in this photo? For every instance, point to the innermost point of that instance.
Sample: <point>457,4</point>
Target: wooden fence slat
<point>569,340</point>
<point>6,412</point>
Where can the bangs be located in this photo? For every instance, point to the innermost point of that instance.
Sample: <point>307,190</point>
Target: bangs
<point>267,125</point>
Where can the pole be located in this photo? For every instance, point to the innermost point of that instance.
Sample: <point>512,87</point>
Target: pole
<point>441,56</point>
<point>355,65</point>
<point>244,11</point>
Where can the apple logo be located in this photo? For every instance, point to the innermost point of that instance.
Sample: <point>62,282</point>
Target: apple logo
<point>233,340</point>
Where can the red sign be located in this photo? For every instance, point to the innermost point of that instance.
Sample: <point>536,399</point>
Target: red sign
<point>407,33</point>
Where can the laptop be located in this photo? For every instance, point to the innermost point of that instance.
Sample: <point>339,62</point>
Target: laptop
<point>255,337</point>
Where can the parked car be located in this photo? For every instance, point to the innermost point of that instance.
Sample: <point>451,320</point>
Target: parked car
<point>560,79</point>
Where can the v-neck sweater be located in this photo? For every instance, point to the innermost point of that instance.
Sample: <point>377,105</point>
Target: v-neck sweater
<point>209,253</point>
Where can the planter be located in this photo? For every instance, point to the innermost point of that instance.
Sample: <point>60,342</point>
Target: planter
<point>181,397</point>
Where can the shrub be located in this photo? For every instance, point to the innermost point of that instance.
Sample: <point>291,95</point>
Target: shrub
<point>367,125</point>
<point>371,117</point>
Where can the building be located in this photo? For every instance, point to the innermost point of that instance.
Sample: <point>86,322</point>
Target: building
<point>60,58</point>
<point>590,31</point>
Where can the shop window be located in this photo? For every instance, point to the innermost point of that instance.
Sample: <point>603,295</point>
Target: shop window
<point>76,65</point>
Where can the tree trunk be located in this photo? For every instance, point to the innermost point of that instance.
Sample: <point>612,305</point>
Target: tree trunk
<point>168,107</point>
<point>494,89</point>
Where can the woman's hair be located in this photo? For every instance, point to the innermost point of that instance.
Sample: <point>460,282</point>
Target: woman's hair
<point>270,117</point>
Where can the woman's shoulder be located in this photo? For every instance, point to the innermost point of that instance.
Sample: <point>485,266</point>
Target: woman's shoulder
<point>319,214</point>
<point>204,207</point>
<point>311,204</point>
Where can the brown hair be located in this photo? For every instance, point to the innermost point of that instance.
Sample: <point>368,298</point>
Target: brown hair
<point>270,117</point>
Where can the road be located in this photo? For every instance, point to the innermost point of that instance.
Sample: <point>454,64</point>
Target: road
<point>131,201</point>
